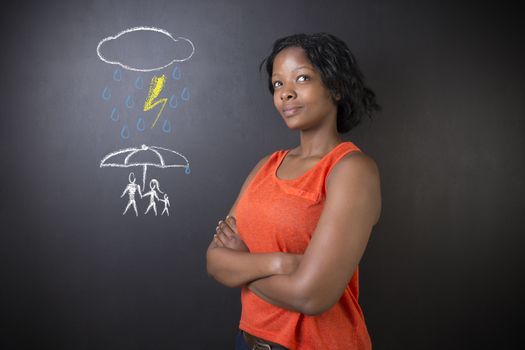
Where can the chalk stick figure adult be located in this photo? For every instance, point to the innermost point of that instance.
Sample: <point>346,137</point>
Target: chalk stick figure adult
<point>152,193</point>
<point>166,202</point>
<point>131,188</point>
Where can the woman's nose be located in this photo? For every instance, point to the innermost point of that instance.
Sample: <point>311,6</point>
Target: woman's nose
<point>287,94</point>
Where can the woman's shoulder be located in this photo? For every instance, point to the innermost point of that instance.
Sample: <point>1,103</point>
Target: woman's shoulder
<point>354,167</point>
<point>357,174</point>
<point>357,159</point>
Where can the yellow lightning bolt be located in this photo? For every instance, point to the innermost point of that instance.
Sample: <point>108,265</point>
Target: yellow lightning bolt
<point>155,87</point>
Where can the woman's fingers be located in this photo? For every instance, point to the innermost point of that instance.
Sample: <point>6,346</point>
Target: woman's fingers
<point>227,236</point>
<point>226,229</point>
<point>221,238</point>
<point>231,221</point>
<point>217,241</point>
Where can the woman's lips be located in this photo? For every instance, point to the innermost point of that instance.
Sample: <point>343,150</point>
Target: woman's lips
<point>291,110</point>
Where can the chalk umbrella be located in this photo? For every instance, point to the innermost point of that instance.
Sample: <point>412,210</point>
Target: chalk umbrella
<point>146,156</point>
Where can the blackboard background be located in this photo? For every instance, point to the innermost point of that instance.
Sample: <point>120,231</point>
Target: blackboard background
<point>443,268</point>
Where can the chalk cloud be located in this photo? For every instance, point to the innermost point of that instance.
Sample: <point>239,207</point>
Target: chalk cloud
<point>185,53</point>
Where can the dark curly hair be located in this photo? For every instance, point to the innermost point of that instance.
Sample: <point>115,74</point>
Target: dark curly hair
<point>339,72</point>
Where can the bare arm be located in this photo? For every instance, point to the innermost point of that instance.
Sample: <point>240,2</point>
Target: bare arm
<point>352,208</point>
<point>236,266</point>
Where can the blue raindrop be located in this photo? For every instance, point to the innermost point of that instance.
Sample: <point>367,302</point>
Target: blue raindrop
<point>129,102</point>
<point>124,133</point>
<point>166,127</point>
<point>139,83</point>
<point>188,170</point>
<point>173,101</point>
<point>117,75</point>
<point>106,94</point>
<point>115,114</point>
<point>141,125</point>
<point>176,74</point>
<point>185,94</point>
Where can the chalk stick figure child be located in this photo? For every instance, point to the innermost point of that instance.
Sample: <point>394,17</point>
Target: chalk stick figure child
<point>166,204</point>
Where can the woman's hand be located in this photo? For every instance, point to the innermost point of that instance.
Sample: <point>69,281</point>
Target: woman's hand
<point>236,266</point>
<point>227,235</point>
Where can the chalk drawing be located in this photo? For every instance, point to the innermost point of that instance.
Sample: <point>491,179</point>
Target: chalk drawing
<point>145,156</point>
<point>166,202</point>
<point>166,127</point>
<point>182,51</point>
<point>114,114</point>
<point>124,132</point>
<point>152,193</point>
<point>150,156</point>
<point>176,74</point>
<point>117,75</point>
<point>155,87</point>
<point>131,188</point>
<point>106,94</point>
<point>129,102</point>
<point>140,124</point>
<point>161,93</point>
<point>139,83</point>
<point>173,101</point>
<point>145,28</point>
<point>185,94</point>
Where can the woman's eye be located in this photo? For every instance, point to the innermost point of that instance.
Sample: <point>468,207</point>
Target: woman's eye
<point>276,84</point>
<point>303,78</point>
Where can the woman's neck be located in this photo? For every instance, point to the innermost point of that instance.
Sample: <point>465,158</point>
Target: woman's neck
<point>317,143</point>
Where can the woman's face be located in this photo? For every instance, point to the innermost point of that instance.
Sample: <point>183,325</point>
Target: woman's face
<point>300,95</point>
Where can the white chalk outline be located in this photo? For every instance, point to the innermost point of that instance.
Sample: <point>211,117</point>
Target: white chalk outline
<point>167,204</point>
<point>134,150</point>
<point>134,29</point>
<point>131,188</point>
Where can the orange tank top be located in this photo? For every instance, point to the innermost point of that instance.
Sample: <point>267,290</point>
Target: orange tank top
<point>278,215</point>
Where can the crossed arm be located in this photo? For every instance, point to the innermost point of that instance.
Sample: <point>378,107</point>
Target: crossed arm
<point>229,260</point>
<point>313,282</point>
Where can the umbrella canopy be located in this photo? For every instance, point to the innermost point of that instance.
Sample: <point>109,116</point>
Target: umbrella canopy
<point>145,156</point>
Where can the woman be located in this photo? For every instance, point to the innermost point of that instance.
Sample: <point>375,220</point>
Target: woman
<point>296,233</point>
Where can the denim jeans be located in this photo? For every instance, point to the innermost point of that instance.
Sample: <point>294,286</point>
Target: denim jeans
<point>240,344</point>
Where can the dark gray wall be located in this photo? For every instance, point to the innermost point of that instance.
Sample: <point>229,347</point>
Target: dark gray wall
<point>443,268</point>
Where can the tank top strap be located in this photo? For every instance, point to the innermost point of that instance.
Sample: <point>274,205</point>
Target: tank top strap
<point>330,161</point>
<point>338,153</point>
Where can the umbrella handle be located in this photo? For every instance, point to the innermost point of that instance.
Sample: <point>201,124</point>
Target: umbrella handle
<point>144,177</point>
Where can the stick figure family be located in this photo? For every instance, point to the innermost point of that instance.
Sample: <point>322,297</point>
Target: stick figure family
<point>132,188</point>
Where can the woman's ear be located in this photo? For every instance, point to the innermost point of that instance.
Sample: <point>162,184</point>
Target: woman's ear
<point>337,97</point>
